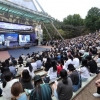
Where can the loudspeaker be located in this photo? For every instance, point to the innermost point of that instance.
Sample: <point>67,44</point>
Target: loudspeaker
<point>26,47</point>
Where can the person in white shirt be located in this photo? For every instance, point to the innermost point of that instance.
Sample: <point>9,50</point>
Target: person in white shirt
<point>69,61</point>
<point>30,69</point>
<point>34,64</point>
<point>23,56</point>
<point>52,72</point>
<point>84,71</point>
<point>76,62</point>
<point>7,84</point>
<point>98,59</point>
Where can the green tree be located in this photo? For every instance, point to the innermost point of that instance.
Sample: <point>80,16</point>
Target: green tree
<point>74,20</point>
<point>92,20</point>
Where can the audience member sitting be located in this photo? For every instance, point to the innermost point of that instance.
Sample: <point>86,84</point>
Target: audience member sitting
<point>14,62</point>
<point>30,69</point>
<point>98,59</point>
<point>84,71</point>
<point>59,67</point>
<point>41,91</point>
<point>63,89</point>
<point>28,59</point>
<point>75,77</point>
<point>17,92</point>
<point>6,86</point>
<point>69,61</point>
<point>39,63</point>
<point>92,65</point>
<point>0,92</point>
<point>25,80</point>
<point>34,64</point>
<point>76,62</point>
<point>3,69</point>
<point>47,65</point>
<point>97,83</point>
<point>20,60</point>
<point>12,69</point>
<point>52,72</point>
<point>23,56</point>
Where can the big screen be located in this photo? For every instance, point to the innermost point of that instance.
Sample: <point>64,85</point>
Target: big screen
<point>11,37</point>
<point>24,38</point>
<point>1,38</point>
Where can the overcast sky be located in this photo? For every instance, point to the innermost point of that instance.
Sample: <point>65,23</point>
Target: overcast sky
<point>60,9</point>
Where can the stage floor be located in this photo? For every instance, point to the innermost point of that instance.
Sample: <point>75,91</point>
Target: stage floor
<point>17,52</point>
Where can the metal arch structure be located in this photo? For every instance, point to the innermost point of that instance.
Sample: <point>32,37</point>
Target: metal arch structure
<point>16,10</point>
<point>11,12</point>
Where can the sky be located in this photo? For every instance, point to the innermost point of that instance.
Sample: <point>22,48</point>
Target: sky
<point>60,9</point>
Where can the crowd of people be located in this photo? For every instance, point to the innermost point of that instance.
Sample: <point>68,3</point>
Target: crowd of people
<point>71,60</point>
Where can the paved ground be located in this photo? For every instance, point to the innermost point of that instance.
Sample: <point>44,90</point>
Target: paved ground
<point>86,93</point>
<point>4,55</point>
<point>17,52</point>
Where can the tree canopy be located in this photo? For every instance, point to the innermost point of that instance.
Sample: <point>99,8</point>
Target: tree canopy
<point>74,20</point>
<point>74,25</point>
<point>92,20</point>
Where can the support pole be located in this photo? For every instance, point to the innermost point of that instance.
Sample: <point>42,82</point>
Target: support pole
<point>34,5</point>
<point>39,6</point>
<point>47,31</point>
<point>56,30</point>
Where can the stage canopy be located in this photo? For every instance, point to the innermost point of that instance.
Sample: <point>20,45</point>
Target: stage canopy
<point>24,8</point>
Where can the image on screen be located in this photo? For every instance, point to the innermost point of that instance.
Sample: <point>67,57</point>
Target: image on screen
<point>1,38</point>
<point>24,38</point>
<point>11,36</point>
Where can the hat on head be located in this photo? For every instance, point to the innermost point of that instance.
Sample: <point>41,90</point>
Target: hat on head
<point>37,77</point>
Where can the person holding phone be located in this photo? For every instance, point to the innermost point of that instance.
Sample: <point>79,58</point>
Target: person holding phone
<point>97,83</point>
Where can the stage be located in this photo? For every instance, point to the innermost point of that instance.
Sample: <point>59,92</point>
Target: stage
<point>17,52</point>
<point>16,45</point>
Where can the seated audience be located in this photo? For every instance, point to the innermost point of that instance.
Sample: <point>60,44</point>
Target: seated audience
<point>20,60</point>
<point>41,91</point>
<point>84,71</point>
<point>63,89</point>
<point>52,72</point>
<point>25,80</point>
<point>98,60</point>
<point>75,77</point>
<point>76,62</point>
<point>0,92</point>
<point>34,64</point>
<point>69,61</point>
<point>23,56</point>
<point>17,92</point>
<point>12,69</point>
<point>39,63</point>
<point>30,69</point>
<point>92,65</point>
<point>47,65</point>
<point>6,86</point>
<point>59,68</point>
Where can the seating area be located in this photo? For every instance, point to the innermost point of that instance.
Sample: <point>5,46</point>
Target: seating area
<point>56,55</point>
